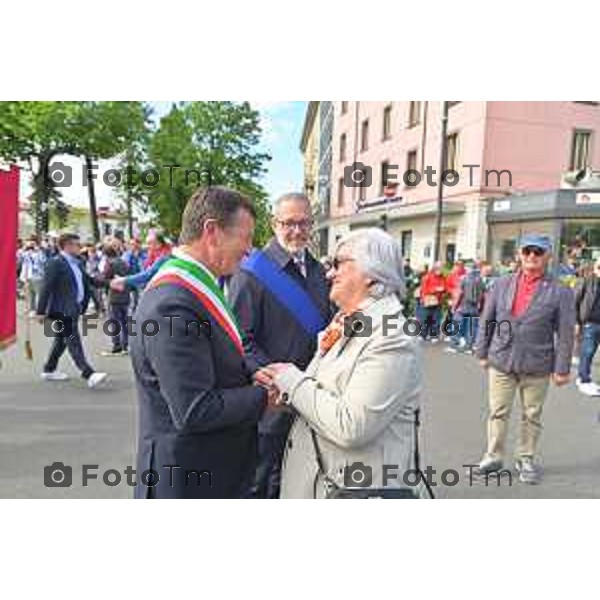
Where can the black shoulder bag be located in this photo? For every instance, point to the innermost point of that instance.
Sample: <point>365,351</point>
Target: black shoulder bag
<point>335,491</point>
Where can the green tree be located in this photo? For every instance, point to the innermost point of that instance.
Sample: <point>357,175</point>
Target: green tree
<point>198,143</point>
<point>33,133</point>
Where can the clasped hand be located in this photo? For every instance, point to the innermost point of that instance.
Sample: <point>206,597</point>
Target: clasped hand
<point>265,377</point>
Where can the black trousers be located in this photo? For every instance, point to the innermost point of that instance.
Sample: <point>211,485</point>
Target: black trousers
<point>267,479</point>
<point>70,340</point>
<point>118,313</point>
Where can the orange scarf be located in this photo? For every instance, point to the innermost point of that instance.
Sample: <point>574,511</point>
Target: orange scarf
<point>332,333</point>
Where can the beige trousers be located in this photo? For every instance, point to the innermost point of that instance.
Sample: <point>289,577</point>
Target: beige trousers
<point>532,393</point>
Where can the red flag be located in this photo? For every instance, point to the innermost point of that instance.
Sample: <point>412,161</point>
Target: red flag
<point>9,218</point>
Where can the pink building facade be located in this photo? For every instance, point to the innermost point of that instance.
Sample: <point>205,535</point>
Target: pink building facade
<point>496,148</point>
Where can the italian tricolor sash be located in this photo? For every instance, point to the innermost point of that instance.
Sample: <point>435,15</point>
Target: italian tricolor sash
<point>192,276</point>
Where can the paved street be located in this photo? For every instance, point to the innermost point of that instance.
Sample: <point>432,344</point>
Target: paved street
<point>44,422</point>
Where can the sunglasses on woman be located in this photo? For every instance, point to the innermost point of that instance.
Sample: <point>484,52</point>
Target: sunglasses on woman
<point>535,250</point>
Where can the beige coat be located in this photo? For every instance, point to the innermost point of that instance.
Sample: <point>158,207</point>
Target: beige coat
<point>360,399</point>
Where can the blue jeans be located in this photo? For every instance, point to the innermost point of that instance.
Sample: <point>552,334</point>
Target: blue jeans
<point>469,325</point>
<point>589,345</point>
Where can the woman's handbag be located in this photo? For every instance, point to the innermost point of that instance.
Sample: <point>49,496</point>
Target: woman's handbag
<point>335,491</point>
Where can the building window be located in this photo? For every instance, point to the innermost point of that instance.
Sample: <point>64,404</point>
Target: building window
<point>384,176</point>
<point>590,102</point>
<point>580,150</point>
<point>387,122</point>
<point>452,152</point>
<point>453,103</point>
<point>344,107</point>
<point>364,137</point>
<point>411,165</point>
<point>343,147</point>
<point>414,115</point>
<point>340,196</point>
<point>406,242</point>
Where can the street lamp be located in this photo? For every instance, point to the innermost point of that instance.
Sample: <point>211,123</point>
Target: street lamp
<point>440,194</point>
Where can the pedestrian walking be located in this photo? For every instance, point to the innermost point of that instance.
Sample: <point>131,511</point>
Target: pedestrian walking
<point>63,299</point>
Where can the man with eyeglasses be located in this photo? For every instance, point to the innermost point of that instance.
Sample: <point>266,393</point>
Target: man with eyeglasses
<point>526,335</point>
<point>587,304</point>
<point>281,298</point>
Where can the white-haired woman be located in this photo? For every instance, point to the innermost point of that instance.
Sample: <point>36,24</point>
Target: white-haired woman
<point>356,401</point>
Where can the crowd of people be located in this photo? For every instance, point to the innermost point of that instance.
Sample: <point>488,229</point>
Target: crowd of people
<point>280,399</point>
<point>61,276</point>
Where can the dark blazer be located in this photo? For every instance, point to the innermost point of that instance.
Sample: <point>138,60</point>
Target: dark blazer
<point>197,407</point>
<point>272,333</point>
<point>538,342</point>
<point>585,295</point>
<point>58,294</point>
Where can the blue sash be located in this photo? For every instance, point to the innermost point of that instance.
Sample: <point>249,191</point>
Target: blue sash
<point>293,296</point>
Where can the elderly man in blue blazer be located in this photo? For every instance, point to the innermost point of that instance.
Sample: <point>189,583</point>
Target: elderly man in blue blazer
<point>281,298</point>
<point>526,335</point>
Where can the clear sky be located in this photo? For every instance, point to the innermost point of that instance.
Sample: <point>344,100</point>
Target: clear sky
<point>281,124</point>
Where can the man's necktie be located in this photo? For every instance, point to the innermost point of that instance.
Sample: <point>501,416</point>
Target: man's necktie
<point>300,264</point>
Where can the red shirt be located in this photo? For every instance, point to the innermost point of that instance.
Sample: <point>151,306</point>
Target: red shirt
<point>433,284</point>
<point>526,287</point>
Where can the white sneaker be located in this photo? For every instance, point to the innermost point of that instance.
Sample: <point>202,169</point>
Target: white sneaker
<point>54,376</point>
<point>588,389</point>
<point>95,379</point>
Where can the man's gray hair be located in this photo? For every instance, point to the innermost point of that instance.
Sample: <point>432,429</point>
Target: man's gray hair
<point>291,197</point>
<point>379,256</point>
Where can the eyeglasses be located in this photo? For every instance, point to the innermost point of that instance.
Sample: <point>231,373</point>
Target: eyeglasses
<point>535,250</point>
<point>336,262</point>
<point>302,225</point>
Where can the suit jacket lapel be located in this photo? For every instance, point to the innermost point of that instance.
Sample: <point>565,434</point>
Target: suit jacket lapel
<point>512,290</point>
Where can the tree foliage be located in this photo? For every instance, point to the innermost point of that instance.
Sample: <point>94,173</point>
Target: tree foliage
<point>196,143</point>
<point>201,143</point>
<point>33,133</point>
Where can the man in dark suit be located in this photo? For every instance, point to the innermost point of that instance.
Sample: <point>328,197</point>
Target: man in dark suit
<point>64,296</point>
<point>273,327</point>
<point>198,407</point>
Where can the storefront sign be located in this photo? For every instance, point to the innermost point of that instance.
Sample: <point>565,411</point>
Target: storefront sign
<point>501,205</point>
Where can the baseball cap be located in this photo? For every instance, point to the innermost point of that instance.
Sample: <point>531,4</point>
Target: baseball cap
<point>537,240</point>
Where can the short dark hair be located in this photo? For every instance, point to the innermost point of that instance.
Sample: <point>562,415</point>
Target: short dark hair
<point>66,238</point>
<point>219,203</point>
<point>110,251</point>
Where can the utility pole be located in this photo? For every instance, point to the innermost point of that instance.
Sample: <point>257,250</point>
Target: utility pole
<point>440,195</point>
<point>92,199</point>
